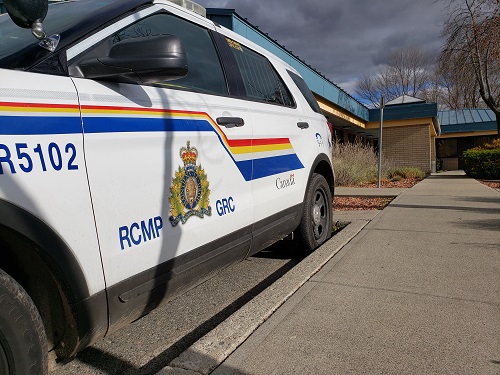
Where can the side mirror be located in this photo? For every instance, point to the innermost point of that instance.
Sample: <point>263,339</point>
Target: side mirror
<point>25,13</point>
<point>146,59</point>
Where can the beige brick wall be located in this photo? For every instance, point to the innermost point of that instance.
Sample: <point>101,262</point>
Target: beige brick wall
<point>408,146</point>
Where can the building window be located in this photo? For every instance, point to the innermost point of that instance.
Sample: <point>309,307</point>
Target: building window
<point>447,148</point>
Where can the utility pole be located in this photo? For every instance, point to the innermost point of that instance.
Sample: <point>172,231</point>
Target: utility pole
<point>382,104</point>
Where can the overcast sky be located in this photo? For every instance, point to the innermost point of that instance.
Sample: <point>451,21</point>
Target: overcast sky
<point>343,39</point>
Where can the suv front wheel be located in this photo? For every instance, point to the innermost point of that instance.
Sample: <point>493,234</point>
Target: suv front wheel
<point>23,344</point>
<point>316,224</point>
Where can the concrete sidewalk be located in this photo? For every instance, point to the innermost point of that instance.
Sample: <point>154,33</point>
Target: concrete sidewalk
<point>412,289</point>
<point>417,291</point>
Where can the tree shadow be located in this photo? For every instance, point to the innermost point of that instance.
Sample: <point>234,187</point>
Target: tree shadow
<point>448,177</point>
<point>485,225</point>
<point>482,210</point>
<point>493,200</point>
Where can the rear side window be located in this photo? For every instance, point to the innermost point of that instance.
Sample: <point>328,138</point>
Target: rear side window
<point>261,81</point>
<point>308,95</point>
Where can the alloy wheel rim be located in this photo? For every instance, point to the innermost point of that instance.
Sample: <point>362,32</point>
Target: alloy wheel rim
<point>319,214</point>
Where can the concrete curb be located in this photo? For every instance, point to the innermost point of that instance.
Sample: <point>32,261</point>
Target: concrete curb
<point>212,349</point>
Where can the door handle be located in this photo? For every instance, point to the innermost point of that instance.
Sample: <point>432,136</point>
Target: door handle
<point>230,122</point>
<point>303,125</point>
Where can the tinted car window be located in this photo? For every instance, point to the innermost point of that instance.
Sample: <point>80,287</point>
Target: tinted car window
<point>259,77</point>
<point>308,95</point>
<point>205,71</point>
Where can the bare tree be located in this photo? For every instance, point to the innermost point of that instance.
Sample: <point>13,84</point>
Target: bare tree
<point>472,34</point>
<point>409,68</point>
<point>365,88</point>
<point>434,92</point>
<point>457,87</point>
<point>408,72</point>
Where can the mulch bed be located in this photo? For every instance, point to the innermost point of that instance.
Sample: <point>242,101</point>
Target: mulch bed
<point>359,203</point>
<point>365,203</point>
<point>491,184</point>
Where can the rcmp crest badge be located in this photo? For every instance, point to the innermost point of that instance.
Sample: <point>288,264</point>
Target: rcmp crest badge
<point>189,190</point>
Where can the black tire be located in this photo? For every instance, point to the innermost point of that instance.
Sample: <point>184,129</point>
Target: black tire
<point>316,224</point>
<point>23,343</point>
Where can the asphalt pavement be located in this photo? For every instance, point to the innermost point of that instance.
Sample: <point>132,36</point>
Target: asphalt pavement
<point>412,289</point>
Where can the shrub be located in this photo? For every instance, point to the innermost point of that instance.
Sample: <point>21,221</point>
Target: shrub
<point>405,172</point>
<point>355,164</point>
<point>482,162</point>
<point>490,146</point>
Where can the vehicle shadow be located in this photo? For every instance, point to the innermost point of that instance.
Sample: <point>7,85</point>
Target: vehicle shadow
<point>284,249</point>
<point>112,364</point>
<point>275,252</point>
<point>121,366</point>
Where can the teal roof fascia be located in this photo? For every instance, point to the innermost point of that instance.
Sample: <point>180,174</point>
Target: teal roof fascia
<point>317,83</point>
<point>467,120</point>
<point>405,111</point>
<point>469,128</point>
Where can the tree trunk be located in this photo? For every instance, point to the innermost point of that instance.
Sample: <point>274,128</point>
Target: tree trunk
<point>497,115</point>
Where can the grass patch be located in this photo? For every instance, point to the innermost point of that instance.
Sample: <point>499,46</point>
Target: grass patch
<point>338,226</point>
<point>397,174</point>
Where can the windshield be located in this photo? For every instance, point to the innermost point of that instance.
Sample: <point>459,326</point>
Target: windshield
<point>60,17</point>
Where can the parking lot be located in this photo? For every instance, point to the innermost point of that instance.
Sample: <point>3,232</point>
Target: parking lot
<point>152,342</point>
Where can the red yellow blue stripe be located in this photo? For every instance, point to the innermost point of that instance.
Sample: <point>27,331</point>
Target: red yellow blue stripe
<point>107,119</point>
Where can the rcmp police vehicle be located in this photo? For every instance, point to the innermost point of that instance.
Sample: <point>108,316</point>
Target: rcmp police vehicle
<point>142,148</point>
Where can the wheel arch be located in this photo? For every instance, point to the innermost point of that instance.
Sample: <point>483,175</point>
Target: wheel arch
<point>44,265</point>
<point>305,233</point>
<point>323,166</point>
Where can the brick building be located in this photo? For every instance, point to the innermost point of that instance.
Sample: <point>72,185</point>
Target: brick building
<point>410,126</point>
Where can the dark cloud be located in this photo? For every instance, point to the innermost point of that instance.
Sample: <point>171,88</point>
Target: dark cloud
<point>344,39</point>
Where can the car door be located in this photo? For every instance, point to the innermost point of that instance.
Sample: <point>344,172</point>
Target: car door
<point>164,163</point>
<point>279,173</point>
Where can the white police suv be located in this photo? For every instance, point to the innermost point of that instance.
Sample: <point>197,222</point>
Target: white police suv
<point>142,148</point>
